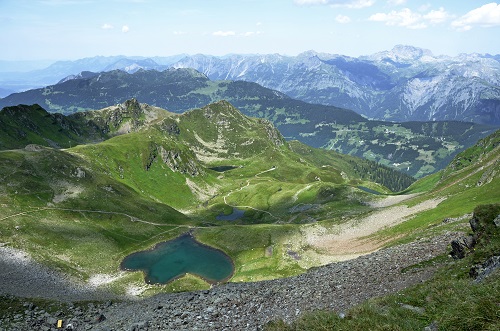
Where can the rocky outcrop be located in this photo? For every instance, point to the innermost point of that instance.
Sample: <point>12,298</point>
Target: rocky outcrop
<point>480,271</point>
<point>483,224</point>
<point>170,127</point>
<point>177,162</point>
<point>34,148</point>
<point>465,244</point>
<point>461,246</point>
<point>496,221</point>
<point>272,133</point>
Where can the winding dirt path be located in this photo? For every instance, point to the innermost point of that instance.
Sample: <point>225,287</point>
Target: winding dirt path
<point>241,188</point>
<point>392,200</point>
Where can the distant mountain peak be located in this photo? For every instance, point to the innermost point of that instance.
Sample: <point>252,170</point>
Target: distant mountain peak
<point>410,52</point>
<point>402,54</point>
<point>81,75</point>
<point>132,65</point>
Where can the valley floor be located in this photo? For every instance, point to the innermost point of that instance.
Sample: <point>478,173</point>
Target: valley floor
<point>335,286</point>
<point>249,306</point>
<point>22,276</point>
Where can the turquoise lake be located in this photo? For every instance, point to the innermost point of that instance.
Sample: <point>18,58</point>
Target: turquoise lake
<point>175,258</point>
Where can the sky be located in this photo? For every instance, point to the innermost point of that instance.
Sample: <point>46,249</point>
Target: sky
<point>73,29</point>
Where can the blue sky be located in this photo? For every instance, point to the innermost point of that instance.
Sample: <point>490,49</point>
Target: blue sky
<point>72,29</point>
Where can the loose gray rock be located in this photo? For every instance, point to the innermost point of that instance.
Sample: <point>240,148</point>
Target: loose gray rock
<point>481,271</point>
<point>249,306</point>
<point>496,221</point>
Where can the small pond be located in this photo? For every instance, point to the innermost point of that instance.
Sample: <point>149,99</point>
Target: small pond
<point>369,190</point>
<point>222,168</point>
<point>236,214</point>
<point>175,258</point>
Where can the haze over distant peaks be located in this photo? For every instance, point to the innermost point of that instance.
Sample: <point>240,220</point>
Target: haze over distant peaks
<point>404,84</point>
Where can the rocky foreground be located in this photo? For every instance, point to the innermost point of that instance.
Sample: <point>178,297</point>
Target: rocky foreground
<point>248,306</point>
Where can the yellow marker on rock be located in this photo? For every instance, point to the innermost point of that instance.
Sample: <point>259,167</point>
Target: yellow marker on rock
<point>59,323</point>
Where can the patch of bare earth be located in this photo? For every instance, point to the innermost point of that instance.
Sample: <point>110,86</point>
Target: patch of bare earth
<point>352,239</point>
<point>201,193</point>
<point>22,276</point>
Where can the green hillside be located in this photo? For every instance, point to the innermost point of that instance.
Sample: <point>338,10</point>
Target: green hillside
<point>82,209</point>
<point>451,299</point>
<point>416,148</point>
<point>156,175</point>
<point>22,125</point>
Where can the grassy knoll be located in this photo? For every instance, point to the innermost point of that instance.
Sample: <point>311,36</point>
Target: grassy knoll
<point>258,251</point>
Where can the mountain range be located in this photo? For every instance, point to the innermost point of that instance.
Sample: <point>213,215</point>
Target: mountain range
<point>417,148</point>
<point>89,175</point>
<point>404,84</point>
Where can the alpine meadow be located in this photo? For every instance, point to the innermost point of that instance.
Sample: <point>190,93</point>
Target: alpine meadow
<point>220,174</point>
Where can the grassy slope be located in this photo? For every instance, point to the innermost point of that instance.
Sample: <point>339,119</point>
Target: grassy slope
<point>67,219</point>
<point>128,174</point>
<point>23,125</point>
<point>450,299</point>
<point>68,207</point>
<point>464,187</point>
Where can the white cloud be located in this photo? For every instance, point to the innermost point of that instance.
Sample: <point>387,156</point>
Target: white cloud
<point>342,19</point>
<point>311,2</point>
<point>424,7</point>
<point>351,4</point>
<point>250,33</point>
<point>396,2</point>
<point>404,17</point>
<point>437,16</point>
<point>107,26</point>
<point>411,20</point>
<point>484,16</point>
<point>223,33</point>
<point>180,33</point>
<point>125,29</point>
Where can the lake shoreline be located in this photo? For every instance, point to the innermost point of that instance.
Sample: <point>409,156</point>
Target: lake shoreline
<point>157,246</point>
<point>249,306</point>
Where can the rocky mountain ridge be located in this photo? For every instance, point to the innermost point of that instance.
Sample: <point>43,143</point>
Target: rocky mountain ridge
<point>404,84</point>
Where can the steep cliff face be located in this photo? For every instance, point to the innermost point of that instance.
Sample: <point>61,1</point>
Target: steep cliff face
<point>180,163</point>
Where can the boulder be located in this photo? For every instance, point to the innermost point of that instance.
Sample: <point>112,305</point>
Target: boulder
<point>480,271</point>
<point>475,225</point>
<point>496,221</point>
<point>461,246</point>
